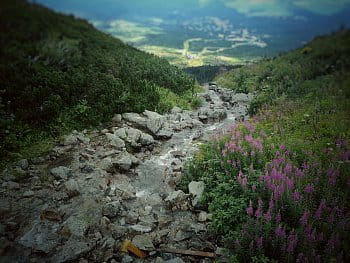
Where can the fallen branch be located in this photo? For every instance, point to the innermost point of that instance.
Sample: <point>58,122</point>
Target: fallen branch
<point>187,252</point>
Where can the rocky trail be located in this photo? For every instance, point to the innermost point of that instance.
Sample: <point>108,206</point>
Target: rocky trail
<point>97,189</point>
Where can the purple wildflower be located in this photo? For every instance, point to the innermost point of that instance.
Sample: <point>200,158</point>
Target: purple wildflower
<point>268,216</point>
<point>278,218</point>
<point>250,210</point>
<point>259,242</point>
<point>253,188</point>
<point>296,196</point>
<point>292,242</point>
<point>309,189</point>
<point>280,232</point>
<point>305,217</point>
<point>320,209</point>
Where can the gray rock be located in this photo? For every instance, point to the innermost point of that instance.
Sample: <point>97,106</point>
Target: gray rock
<point>115,141</point>
<point>159,260</point>
<point>121,133</point>
<point>133,136</point>
<point>152,114</point>
<point>117,118</point>
<point>141,228</point>
<point>28,193</point>
<point>176,110</point>
<point>5,206</point>
<point>72,187</point>
<point>107,164</point>
<point>72,250</point>
<point>176,196</point>
<point>61,172</point>
<point>77,225</point>
<point>146,139</point>
<point>7,176</point>
<point>75,138</point>
<point>42,237</point>
<point>144,242</point>
<point>202,216</point>
<point>127,259</point>
<point>23,164</point>
<point>111,209</point>
<point>126,160</point>
<point>135,119</point>
<point>181,235</point>
<point>165,133</point>
<point>175,260</point>
<point>154,125</point>
<point>11,185</point>
<point>196,189</point>
<point>83,139</point>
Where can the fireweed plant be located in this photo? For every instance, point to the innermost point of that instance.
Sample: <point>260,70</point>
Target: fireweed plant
<point>269,201</point>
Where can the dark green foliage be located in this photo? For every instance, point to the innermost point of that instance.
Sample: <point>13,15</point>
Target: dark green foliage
<point>204,74</point>
<point>59,72</point>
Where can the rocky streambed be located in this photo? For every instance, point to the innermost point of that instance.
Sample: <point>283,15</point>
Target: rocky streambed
<point>97,189</point>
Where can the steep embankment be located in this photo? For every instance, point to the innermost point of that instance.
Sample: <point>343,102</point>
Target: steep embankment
<point>278,184</point>
<point>58,73</point>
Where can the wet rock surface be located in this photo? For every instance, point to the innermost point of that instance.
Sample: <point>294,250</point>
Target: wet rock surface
<point>96,189</point>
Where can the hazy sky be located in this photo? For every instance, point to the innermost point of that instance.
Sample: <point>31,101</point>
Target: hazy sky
<point>261,8</point>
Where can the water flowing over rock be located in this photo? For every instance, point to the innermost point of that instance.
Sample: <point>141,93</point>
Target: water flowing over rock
<point>96,189</point>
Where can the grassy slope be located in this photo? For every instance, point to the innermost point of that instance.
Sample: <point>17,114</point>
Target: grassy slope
<point>303,124</point>
<point>58,73</point>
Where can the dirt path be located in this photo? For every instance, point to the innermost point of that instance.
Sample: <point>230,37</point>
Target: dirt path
<point>97,189</point>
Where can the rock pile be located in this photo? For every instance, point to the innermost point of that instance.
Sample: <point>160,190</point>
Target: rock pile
<point>96,189</point>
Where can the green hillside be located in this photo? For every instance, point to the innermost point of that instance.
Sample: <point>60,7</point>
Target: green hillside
<point>278,184</point>
<point>59,73</point>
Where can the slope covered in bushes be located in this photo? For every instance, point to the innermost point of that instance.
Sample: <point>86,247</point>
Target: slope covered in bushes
<point>58,73</point>
<point>278,185</point>
<point>295,74</point>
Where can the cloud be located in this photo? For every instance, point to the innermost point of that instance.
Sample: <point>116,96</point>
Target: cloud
<point>323,7</point>
<point>203,3</point>
<point>283,8</point>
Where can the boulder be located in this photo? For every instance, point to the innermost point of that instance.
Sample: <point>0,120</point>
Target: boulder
<point>11,185</point>
<point>133,136</point>
<point>121,133</point>
<point>154,125</point>
<point>61,172</point>
<point>112,209</point>
<point>23,164</point>
<point>144,242</point>
<point>202,216</point>
<point>146,139</point>
<point>177,200</point>
<point>115,141</point>
<point>28,193</point>
<point>72,188</point>
<point>75,138</point>
<point>141,228</point>
<point>196,189</point>
<point>72,250</point>
<point>135,118</point>
<point>42,237</point>
<point>117,118</point>
<point>176,110</point>
<point>126,160</point>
